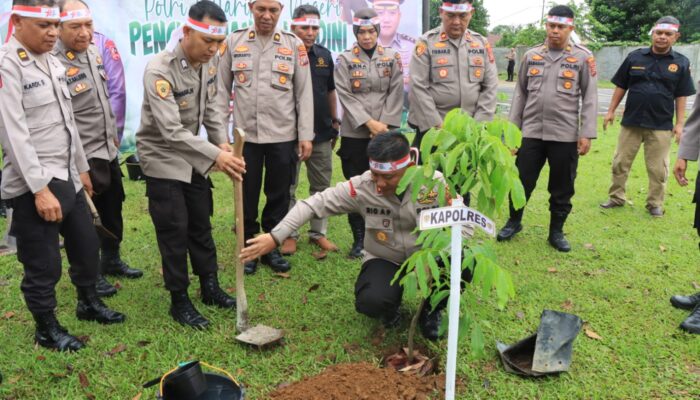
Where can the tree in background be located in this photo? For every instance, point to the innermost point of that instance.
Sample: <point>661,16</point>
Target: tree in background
<point>631,20</point>
<point>513,36</point>
<point>479,22</point>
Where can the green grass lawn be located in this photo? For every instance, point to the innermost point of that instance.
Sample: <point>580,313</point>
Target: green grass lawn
<point>623,268</point>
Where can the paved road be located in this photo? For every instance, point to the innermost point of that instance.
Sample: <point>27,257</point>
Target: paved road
<point>604,97</point>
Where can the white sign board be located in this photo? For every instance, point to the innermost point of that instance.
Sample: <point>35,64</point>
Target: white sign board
<point>448,216</point>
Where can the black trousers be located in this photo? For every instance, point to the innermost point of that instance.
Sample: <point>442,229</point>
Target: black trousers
<point>280,163</point>
<point>38,245</point>
<point>109,205</point>
<point>511,69</point>
<point>376,297</point>
<point>353,156</point>
<point>180,212</point>
<point>563,162</point>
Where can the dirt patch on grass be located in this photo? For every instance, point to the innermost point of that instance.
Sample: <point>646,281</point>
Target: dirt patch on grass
<point>360,381</point>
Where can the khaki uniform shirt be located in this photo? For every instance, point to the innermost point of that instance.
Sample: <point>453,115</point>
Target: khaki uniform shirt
<point>447,74</point>
<point>546,101</point>
<point>404,44</point>
<point>690,141</point>
<point>87,82</point>
<point>177,100</point>
<point>390,222</point>
<point>273,101</point>
<point>369,89</point>
<point>38,134</point>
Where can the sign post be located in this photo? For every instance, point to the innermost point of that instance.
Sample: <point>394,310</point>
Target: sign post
<point>455,217</point>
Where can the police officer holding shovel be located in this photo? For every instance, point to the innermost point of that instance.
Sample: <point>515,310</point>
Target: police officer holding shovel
<point>180,97</point>
<point>390,224</point>
<point>86,79</point>
<point>45,175</point>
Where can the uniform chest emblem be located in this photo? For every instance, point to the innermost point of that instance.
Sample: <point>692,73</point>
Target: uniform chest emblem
<point>592,66</point>
<point>534,71</point>
<point>242,49</point>
<point>72,71</point>
<point>162,88</point>
<point>477,73</point>
<point>277,37</point>
<point>321,62</point>
<point>285,51</point>
<point>442,73</point>
<point>475,45</point>
<point>241,78</point>
<point>251,35</point>
<point>222,49</point>
<point>356,51</point>
<point>571,59</point>
<point>537,57</point>
<point>568,85</point>
<point>183,104</point>
<point>568,74</point>
<point>443,36</point>
<point>441,61</point>
<point>478,61</point>
<point>283,79</point>
<point>356,61</point>
<point>99,60</point>
<point>70,55</point>
<point>356,84</point>
<point>420,49</point>
<point>358,73</point>
<point>283,67</point>
<point>381,236</point>
<point>212,70</point>
<point>80,87</point>
<point>241,65</point>
<point>673,68</point>
<point>386,223</point>
<point>440,45</point>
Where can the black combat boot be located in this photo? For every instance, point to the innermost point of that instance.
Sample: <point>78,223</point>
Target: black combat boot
<point>112,264</point>
<point>686,302</point>
<point>512,227</point>
<point>392,319</point>
<point>103,287</point>
<point>250,267</point>
<point>430,321</point>
<point>357,227</point>
<point>91,308</point>
<point>50,334</point>
<point>182,310</point>
<point>556,232</point>
<point>212,294</point>
<point>275,260</point>
<point>692,323</point>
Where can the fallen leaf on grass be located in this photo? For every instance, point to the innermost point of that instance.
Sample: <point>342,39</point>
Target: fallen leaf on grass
<point>589,246</point>
<point>313,287</point>
<point>662,248</point>
<point>40,358</point>
<point>83,380</point>
<point>591,334</point>
<point>9,314</point>
<point>696,286</point>
<point>552,270</point>
<point>137,397</point>
<point>519,315</point>
<point>568,305</point>
<point>304,299</point>
<point>4,283</point>
<point>319,255</point>
<point>261,297</point>
<point>118,349</point>
<point>283,275</point>
<point>117,285</point>
<point>84,338</point>
<point>231,290</point>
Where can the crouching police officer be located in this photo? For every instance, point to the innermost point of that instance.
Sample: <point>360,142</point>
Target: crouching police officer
<point>86,79</point>
<point>44,173</point>
<point>180,91</point>
<point>390,223</point>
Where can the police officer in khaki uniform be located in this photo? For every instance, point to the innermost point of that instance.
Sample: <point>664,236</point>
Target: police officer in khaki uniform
<point>452,67</point>
<point>553,79</point>
<point>369,81</point>
<point>389,12</point>
<point>390,228</point>
<point>86,78</point>
<point>44,172</point>
<point>179,96</point>
<point>689,150</point>
<point>274,105</point>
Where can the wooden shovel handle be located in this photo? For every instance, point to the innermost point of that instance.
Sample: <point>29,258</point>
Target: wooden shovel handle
<point>242,323</point>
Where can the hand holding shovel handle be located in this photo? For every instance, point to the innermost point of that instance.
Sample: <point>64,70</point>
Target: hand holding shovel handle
<point>242,323</point>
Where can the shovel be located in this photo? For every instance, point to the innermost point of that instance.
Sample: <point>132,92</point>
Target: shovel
<point>101,230</point>
<point>259,335</point>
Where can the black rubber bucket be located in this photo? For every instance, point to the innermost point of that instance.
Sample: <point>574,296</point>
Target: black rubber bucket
<point>133,168</point>
<point>188,382</point>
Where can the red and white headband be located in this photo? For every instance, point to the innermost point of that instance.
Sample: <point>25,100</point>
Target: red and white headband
<point>454,7</point>
<point>390,166</point>
<point>76,14</point>
<point>555,19</point>
<point>366,22</point>
<point>306,21</point>
<point>206,28</point>
<point>37,12</point>
<point>665,27</point>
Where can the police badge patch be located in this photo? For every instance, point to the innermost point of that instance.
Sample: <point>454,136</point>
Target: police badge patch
<point>162,88</point>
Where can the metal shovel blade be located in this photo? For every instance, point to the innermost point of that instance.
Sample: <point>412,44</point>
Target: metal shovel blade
<point>261,335</point>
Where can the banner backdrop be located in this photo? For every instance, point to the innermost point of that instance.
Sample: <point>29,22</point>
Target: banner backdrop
<point>142,28</point>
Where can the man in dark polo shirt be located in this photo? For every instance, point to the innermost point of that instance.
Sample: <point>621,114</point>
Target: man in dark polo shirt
<point>305,24</point>
<point>655,77</point>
